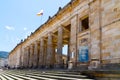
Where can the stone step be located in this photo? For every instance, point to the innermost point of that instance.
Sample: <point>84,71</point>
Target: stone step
<point>37,75</point>
<point>17,78</point>
<point>60,75</point>
<point>54,74</point>
<point>7,77</point>
<point>2,77</point>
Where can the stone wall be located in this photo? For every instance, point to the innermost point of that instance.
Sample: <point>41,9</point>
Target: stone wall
<point>110,31</point>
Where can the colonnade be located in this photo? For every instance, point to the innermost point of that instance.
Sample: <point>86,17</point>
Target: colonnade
<point>44,52</point>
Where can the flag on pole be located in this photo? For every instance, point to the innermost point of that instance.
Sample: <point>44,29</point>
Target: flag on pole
<point>40,13</point>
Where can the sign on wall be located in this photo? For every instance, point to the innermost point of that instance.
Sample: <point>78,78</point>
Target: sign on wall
<point>83,54</point>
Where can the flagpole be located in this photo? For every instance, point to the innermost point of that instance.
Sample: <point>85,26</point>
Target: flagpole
<point>41,20</point>
<point>40,14</point>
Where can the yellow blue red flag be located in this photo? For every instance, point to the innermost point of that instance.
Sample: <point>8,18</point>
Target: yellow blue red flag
<point>40,13</point>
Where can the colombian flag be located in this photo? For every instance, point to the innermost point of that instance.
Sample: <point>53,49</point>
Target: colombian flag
<point>40,13</point>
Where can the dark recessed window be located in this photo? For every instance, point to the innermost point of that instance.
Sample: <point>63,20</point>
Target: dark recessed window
<point>85,24</point>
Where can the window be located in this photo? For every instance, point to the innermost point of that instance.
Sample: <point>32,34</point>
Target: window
<point>85,23</point>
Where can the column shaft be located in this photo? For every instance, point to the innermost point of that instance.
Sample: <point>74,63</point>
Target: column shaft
<point>24,56</point>
<point>31,56</point>
<point>41,57</point>
<point>59,46</point>
<point>35,55</point>
<point>22,61</point>
<point>45,54</point>
<point>27,59</point>
<point>73,40</point>
<point>49,51</point>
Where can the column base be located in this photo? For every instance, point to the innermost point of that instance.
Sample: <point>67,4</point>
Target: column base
<point>95,64</point>
<point>49,66</point>
<point>59,66</point>
<point>41,66</point>
<point>34,67</point>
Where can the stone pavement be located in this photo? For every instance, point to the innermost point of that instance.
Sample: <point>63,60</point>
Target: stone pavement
<point>40,75</point>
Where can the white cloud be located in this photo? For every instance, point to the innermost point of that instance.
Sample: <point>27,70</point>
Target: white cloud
<point>9,28</point>
<point>24,28</point>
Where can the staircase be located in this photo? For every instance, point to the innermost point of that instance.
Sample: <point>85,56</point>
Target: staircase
<point>40,75</point>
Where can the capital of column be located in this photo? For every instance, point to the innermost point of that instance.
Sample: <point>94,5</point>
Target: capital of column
<point>60,28</point>
<point>49,34</point>
<point>49,38</point>
<point>36,42</point>
<point>27,47</point>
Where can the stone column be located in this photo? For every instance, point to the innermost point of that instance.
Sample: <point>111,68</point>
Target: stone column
<point>59,47</point>
<point>68,54</point>
<point>73,40</point>
<point>35,54</point>
<point>24,60</point>
<point>45,54</point>
<point>49,51</point>
<point>41,57</point>
<point>95,33</point>
<point>53,55</point>
<point>31,56</point>
<point>28,55</point>
<point>22,57</point>
<point>20,63</point>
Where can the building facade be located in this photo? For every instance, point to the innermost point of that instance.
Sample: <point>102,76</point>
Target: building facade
<point>90,28</point>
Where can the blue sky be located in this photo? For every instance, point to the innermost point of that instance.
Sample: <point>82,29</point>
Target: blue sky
<point>18,19</point>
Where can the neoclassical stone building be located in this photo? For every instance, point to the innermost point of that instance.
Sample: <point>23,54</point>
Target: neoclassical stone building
<point>90,28</point>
